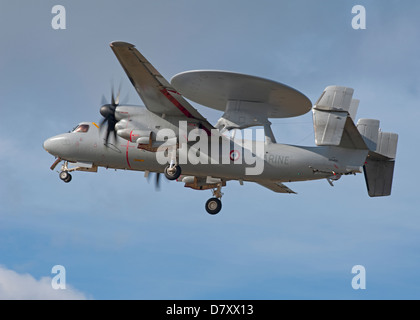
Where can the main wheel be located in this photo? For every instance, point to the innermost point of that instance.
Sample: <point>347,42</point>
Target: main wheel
<point>213,206</point>
<point>172,173</point>
<point>64,175</point>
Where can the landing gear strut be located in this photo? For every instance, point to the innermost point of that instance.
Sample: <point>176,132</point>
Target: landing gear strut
<point>214,205</point>
<point>173,170</point>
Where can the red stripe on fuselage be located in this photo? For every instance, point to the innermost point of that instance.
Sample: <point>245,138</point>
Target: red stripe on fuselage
<point>126,154</point>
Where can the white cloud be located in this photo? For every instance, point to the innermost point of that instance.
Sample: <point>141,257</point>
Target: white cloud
<point>15,286</point>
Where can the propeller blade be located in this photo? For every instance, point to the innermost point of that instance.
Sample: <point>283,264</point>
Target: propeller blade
<point>117,99</point>
<point>115,133</point>
<point>108,112</point>
<point>124,100</point>
<point>157,181</point>
<point>112,96</point>
<point>102,122</point>
<point>107,136</point>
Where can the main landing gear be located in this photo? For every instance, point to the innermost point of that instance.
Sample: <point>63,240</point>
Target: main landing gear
<point>172,172</point>
<point>214,205</point>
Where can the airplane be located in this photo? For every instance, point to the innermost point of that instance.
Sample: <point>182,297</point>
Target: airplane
<point>168,135</point>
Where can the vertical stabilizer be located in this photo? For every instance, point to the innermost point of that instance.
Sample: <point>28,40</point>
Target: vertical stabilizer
<point>380,163</point>
<point>378,176</point>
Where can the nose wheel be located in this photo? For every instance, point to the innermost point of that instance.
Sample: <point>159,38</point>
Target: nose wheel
<point>65,176</point>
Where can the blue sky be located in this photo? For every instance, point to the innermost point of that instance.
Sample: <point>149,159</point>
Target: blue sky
<point>120,239</point>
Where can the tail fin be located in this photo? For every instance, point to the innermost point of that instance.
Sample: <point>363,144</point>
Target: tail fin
<point>333,116</point>
<point>379,165</point>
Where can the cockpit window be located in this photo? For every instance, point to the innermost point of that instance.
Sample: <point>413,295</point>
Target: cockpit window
<point>81,128</point>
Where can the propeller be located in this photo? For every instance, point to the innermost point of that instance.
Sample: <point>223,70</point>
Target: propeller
<point>108,112</point>
<point>157,180</point>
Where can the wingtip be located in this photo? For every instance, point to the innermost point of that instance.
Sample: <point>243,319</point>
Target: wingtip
<point>121,44</point>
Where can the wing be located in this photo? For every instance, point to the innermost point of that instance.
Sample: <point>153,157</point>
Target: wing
<point>276,187</point>
<point>155,91</point>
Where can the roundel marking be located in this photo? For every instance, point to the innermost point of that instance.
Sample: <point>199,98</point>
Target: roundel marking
<point>234,155</point>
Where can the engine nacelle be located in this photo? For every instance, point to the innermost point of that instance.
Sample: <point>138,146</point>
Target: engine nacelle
<point>145,139</point>
<point>134,135</point>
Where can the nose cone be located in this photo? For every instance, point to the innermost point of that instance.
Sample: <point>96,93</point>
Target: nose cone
<point>56,145</point>
<point>47,145</point>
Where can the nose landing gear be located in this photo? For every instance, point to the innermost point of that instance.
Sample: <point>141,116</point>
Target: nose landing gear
<point>75,166</point>
<point>65,176</point>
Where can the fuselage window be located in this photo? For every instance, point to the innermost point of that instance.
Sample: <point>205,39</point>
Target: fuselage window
<point>82,128</point>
